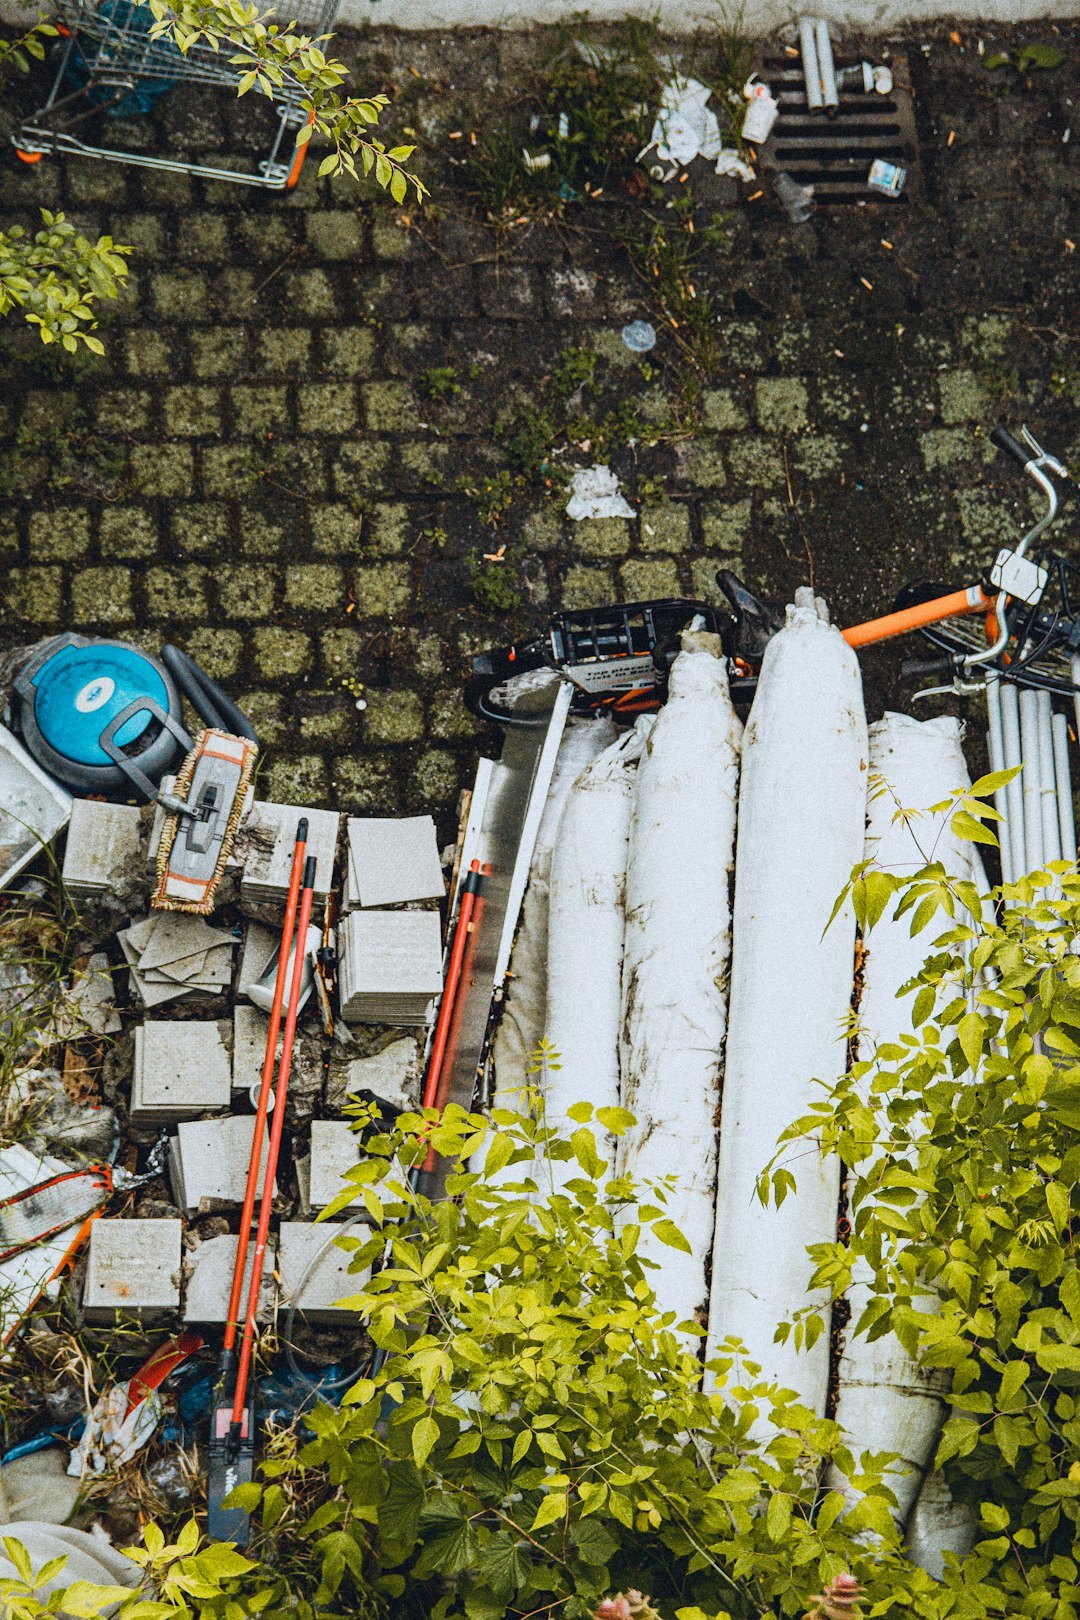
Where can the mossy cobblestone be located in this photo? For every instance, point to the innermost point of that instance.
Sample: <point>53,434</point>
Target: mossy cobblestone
<point>271,464</point>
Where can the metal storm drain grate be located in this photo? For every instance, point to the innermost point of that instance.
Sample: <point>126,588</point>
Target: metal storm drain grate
<point>834,154</point>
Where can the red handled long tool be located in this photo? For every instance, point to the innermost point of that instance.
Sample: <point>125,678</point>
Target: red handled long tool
<point>231,1465</point>
<point>434,1095</point>
<point>236,1425</point>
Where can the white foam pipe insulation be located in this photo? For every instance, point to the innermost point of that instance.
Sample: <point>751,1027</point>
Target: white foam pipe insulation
<point>826,69</point>
<point>887,1402</point>
<point>802,807</point>
<point>938,1525</point>
<point>1063,778</point>
<point>1034,857</point>
<point>995,748</point>
<point>811,71</point>
<point>1051,825</point>
<point>585,938</point>
<point>523,1022</point>
<point>676,959</point>
<point>1014,792</point>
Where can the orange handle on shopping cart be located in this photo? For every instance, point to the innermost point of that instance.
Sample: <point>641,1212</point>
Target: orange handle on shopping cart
<point>299,155</point>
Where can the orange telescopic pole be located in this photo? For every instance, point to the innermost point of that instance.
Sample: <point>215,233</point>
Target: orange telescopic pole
<point>972,600</point>
<point>433,1090</point>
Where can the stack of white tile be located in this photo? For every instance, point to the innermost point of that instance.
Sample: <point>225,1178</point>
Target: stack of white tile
<point>133,1266</point>
<point>250,1030</point>
<point>314,1272</point>
<point>182,1069</point>
<point>390,966</point>
<point>104,847</point>
<point>335,1150</point>
<point>171,954</point>
<point>257,951</point>
<point>210,1280</point>
<point>269,840</point>
<point>209,1159</point>
<point>392,861</point>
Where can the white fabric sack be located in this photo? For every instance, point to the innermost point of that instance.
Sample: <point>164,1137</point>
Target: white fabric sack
<point>887,1402</point>
<point>676,959</point>
<point>802,807</point>
<point>585,939</point>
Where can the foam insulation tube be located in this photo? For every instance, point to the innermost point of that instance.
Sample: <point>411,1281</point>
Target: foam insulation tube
<point>995,748</point>
<point>523,1022</point>
<point>939,1525</point>
<point>1014,792</point>
<point>1051,826</point>
<point>802,804</point>
<point>811,71</point>
<point>1032,781</point>
<point>585,938</point>
<point>676,960</point>
<point>826,70</point>
<point>1063,779</point>
<point>887,1402</point>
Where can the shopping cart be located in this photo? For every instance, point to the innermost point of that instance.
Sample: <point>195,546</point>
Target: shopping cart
<point>109,63</point>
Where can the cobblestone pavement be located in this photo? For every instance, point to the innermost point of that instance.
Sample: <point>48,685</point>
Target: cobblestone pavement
<point>259,471</point>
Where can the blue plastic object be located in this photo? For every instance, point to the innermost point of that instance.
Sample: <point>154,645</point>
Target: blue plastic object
<point>80,689</point>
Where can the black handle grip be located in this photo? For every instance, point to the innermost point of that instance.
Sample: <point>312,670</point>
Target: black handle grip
<point>309,872</point>
<point>916,668</point>
<point>1004,440</point>
<point>206,696</point>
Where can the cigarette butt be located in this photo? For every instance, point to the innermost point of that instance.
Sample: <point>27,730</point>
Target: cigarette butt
<point>415,72</point>
<point>455,135</point>
<point>789,50</point>
<point>683,178</point>
<point>755,195</point>
<point>955,37</point>
<point>886,244</point>
<point>1070,247</point>
<point>952,137</point>
<point>839,353</point>
<point>869,285</point>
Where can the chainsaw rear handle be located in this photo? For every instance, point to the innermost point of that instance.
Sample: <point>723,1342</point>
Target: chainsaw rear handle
<point>1010,446</point>
<point>206,696</point>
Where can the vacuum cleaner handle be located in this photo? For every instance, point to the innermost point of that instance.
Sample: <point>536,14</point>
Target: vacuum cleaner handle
<point>205,695</point>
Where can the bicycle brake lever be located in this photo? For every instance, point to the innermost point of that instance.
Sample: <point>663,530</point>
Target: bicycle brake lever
<point>1042,456</point>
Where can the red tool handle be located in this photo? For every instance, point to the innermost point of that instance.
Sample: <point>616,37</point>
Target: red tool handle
<point>433,1096</point>
<point>232,1321</point>
<point>276,1126</point>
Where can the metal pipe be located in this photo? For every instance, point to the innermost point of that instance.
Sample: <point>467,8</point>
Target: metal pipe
<point>1063,780</point>
<point>1051,827</point>
<point>1029,744</point>
<point>995,747</point>
<point>826,67</point>
<point>1014,792</point>
<point>811,70</point>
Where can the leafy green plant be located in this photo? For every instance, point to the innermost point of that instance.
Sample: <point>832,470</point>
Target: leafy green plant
<point>56,276</point>
<point>962,1149</point>
<point>492,585</point>
<point>1038,57</point>
<point>440,382</point>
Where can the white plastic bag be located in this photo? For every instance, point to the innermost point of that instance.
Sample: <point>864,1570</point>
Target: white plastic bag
<point>802,803</point>
<point>676,958</point>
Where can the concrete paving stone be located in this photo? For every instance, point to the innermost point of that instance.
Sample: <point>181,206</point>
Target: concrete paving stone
<point>133,1267</point>
<point>665,528</point>
<point>585,586</point>
<point>9,535</point>
<point>216,651</point>
<point>702,463</point>
<point>393,717</point>
<point>304,776</point>
<point>600,537</point>
<point>329,408</point>
<point>780,404</point>
<point>347,351</point>
<point>98,183</point>
<point>366,784</point>
<point>193,411</point>
<point>646,577</point>
<point>246,591</point>
<point>285,351</point>
<point>175,593</point>
<point>818,455</point>
<point>263,536</point>
<point>204,239</point>
<point>721,412</point>
<point>507,291</point>
<point>335,528</point>
<point>235,296</point>
<point>182,1069</point>
<point>327,717</point>
<point>390,239</point>
<point>124,411</point>
<point>390,407</point>
<point>314,1271</point>
<point>725,525</point>
<point>269,714</point>
<point>572,293</point>
<point>754,462</point>
<point>198,528</point>
<point>62,535</point>
<point>210,1160</point>
<point>280,652</point>
<point>179,295</point>
<point>449,719</point>
<point>165,470</point>
<point>359,467</point>
<point>102,596</point>
<point>310,293</point>
<point>33,595</point>
<point>434,781</point>
<point>382,589</point>
<point>149,353</point>
<point>209,1267</point>
<point>127,532</point>
<point>145,233</point>
<point>335,1150</point>
<point>334,234</point>
<point>423,466</point>
<point>260,408</point>
<point>162,189</point>
<point>964,398</point>
<point>269,838</point>
<point>228,471</point>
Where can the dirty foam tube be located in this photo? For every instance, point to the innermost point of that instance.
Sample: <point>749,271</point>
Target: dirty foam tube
<point>995,748</point>
<point>1014,791</point>
<point>887,1401</point>
<point>811,71</point>
<point>585,940</point>
<point>676,961</point>
<point>802,807</point>
<point>1063,780</point>
<point>1032,781</point>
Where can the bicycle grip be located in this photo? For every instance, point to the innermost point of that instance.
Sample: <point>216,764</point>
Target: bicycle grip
<point>1003,439</point>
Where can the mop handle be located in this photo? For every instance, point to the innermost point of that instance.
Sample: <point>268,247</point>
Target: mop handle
<point>276,1126</point>
<point>232,1321</point>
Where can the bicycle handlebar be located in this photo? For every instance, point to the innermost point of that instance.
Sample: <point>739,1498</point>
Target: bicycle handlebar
<point>1003,439</point>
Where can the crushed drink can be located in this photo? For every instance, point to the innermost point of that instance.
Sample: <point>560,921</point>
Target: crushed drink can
<point>886,177</point>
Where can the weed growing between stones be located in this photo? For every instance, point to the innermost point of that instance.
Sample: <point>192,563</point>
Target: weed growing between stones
<point>491,584</point>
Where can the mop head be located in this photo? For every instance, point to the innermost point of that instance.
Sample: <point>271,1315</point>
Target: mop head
<point>192,855</point>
